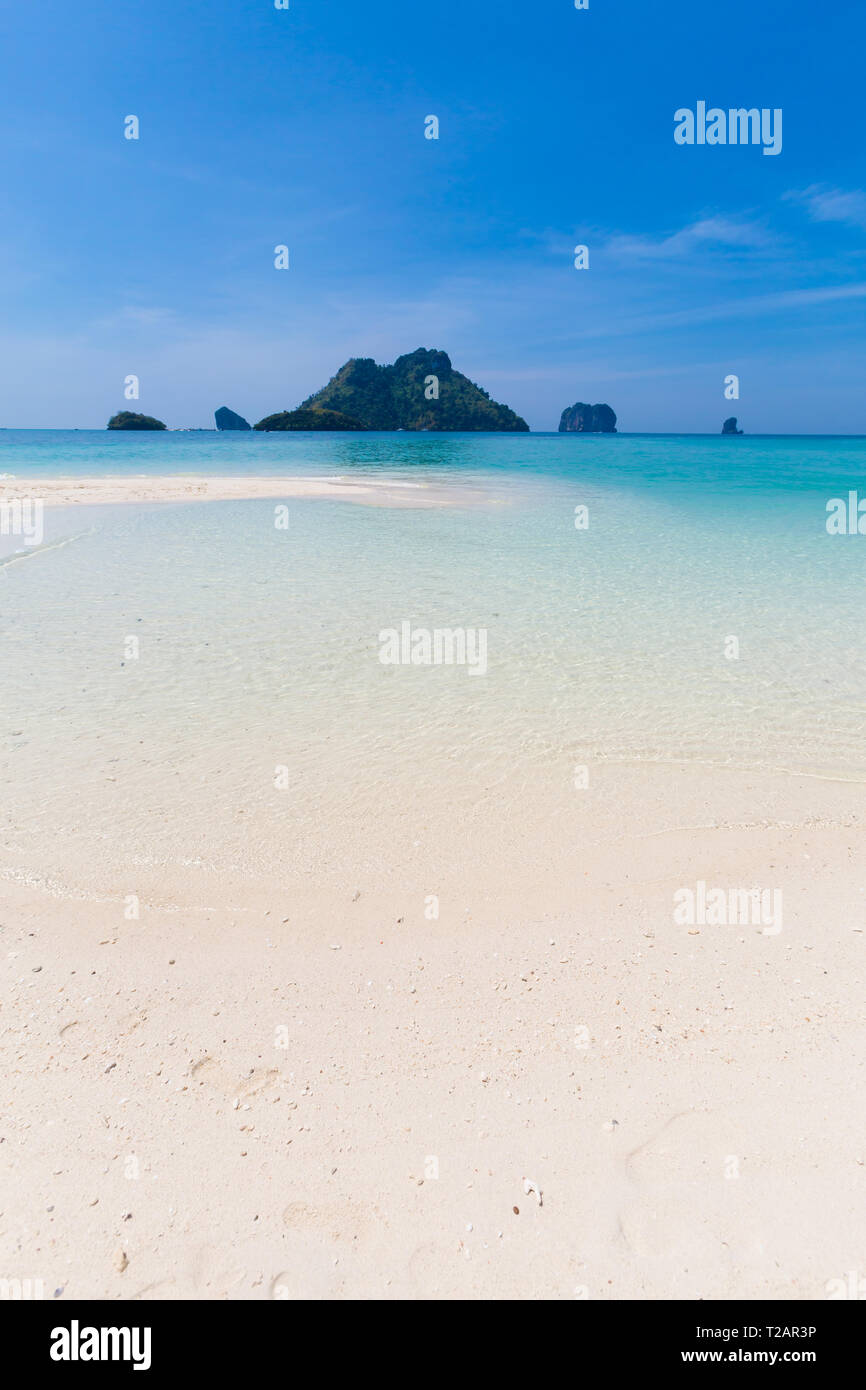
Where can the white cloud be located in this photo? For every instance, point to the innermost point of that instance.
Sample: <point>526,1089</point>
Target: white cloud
<point>832,204</point>
<point>738,233</point>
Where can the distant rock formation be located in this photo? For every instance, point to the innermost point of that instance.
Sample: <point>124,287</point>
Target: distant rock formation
<point>302,419</point>
<point>730,426</point>
<point>588,419</point>
<point>128,420</point>
<point>227,420</point>
<point>420,391</point>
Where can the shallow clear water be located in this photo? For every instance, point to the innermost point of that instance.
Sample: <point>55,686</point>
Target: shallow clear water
<point>259,647</point>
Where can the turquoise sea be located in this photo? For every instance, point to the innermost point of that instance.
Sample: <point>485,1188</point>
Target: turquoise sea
<point>258,647</point>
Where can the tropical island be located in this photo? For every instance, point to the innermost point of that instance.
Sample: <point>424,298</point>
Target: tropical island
<point>420,391</point>
<point>129,420</point>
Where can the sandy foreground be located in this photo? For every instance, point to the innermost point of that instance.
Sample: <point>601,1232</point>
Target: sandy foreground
<point>321,1092</point>
<point>66,492</point>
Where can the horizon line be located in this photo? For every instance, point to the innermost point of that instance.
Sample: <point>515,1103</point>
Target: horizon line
<point>475,434</point>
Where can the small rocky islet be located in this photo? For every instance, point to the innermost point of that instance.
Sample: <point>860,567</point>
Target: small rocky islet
<point>228,420</point>
<point>130,420</point>
<point>588,419</point>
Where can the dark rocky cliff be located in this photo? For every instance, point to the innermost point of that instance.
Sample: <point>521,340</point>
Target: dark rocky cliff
<point>227,420</point>
<point>588,419</point>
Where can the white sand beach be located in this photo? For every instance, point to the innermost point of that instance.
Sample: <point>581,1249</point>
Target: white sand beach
<point>323,1092</point>
<point>372,492</point>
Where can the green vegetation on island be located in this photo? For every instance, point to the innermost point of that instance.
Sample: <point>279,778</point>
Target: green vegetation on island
<point>420,391</point>
<point>129,420</point>
<point>302,419</point>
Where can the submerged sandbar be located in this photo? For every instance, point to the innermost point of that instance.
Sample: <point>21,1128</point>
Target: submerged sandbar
<point>371,492</point>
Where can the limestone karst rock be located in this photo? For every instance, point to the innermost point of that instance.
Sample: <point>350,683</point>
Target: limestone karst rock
<point>588,419</point>
<point>228,420</point>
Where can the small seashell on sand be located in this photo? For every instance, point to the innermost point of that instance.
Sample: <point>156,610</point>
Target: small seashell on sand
<point>532,1187</point>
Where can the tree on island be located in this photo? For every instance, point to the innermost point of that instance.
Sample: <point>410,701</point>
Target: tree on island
<point>420,391</point>
<point>309,420</point>
<point>129,420</point>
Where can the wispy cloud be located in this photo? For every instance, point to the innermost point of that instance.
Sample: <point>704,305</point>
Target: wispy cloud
<point>710,233</point>
<point>737,233</point>
<point>832,204</point>
<point>767,306</point>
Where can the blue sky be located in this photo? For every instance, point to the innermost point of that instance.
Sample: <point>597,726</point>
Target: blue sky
<point>305,127</point>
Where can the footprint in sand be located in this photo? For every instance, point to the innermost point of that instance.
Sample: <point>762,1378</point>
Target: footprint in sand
<point>326,1245</point>
<point>681,1204</point>
<point>208,1069</point>
<point>130,1022</point>
<point>338,1221</point>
